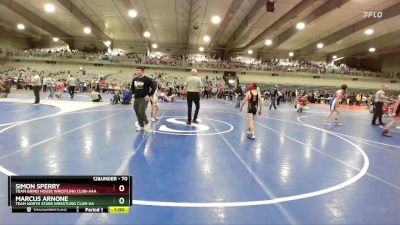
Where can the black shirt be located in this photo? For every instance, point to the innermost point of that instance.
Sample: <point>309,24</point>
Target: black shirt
<point>274,93</point>
<point>239,91</point>
<point>142,86</point>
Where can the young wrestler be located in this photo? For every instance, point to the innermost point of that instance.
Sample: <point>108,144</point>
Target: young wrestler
<point>301,104</point>
<point>334,105</point>
<point>154,103</point>
<point>254,104</point>
<point>395,118</point>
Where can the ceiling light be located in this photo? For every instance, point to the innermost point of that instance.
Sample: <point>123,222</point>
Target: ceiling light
<point>49,8</point>
<point>87,30</point>
<point>250,52</point>
<point>132,13</point>
<point>291,54</point>
<point>369,31</point>
<point>56,39</point>
<point>20,26</point>
<point>154,45</point>
<point>334,57</point>
<point>216,19</point>
<point>300,25</point>
<point>146,34</point>
<point>372,49</point>
<point>268,42</point>
<point>206,38</point>
<point>201,49</point>
<point>320,45</point>
<point>107,43</point>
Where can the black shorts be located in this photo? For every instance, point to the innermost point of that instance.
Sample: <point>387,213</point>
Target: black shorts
<point>252,110</point>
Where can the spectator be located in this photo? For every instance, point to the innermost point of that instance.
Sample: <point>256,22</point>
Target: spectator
<point>273,96</point>
<point>143,88</point>
<point>52,85</point>
<point>96,97</point>
<point>116,98</point>
<point>3,89</point>
<point>126,97</point>
<point>45,83</point>
<point>71,81</point>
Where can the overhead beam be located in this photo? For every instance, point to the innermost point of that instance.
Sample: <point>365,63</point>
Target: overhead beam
<point>135,23</point>
<point>38,21</point>
<point>233,8</point>
<point>245,22</point>
<point>189,15</point>
<point>25,33</point>
<point>290,15</point>
<point>362,48</point>
<point>317,13</point>
<point>338,35</point>
<point>85,20</point>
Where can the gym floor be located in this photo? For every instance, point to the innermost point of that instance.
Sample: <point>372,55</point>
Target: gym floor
<point>296,171</point>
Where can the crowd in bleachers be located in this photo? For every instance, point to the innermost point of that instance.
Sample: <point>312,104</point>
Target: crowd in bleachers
<point>198,61</point>
<point>170,86</point>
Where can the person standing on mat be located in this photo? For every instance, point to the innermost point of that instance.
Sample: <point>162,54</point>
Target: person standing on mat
<point>71,81</point>
<point>193,87</point>
<point>395,118</point>
<point>239,96</point>
<point>379,99</point>
<point>254,104</point>
<point>143,88</point>
<point>52,85</point>
<point>273,96</point>
<point>154,103</point>
<point>334,105</point>
<point>36,86</point>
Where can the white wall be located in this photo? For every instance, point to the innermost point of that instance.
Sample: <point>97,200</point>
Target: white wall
<point>303,81</point>
<point>15,42</point>
<point>80,44</point>
<point>391,64</point>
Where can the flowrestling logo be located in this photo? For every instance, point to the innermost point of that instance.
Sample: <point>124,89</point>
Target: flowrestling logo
<point>373,14</point>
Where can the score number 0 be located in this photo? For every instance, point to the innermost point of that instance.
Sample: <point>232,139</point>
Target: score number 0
<point>121,188</point>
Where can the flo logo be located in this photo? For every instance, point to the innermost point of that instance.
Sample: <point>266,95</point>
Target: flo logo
<point>373,14</point>
<point>177,126</point>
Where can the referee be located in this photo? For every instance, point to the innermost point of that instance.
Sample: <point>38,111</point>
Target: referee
<point>36,85</point>
<point>379,99</point>
<point>193,86</point>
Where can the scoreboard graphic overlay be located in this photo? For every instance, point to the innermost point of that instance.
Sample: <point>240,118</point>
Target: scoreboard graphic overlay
<point>70,194</point>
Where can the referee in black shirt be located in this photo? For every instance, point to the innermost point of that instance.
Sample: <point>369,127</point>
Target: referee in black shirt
<point>143,88</point>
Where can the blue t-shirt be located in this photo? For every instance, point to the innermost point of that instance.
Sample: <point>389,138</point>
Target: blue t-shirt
<point>127,96</point>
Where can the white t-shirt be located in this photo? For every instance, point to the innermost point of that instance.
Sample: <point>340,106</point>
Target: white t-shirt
<point>71,81</point>
<point>36,80</point>
<point>378,96</point>
<point>94,95</point>
<point>45,81</point>
<point>193,84</point>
